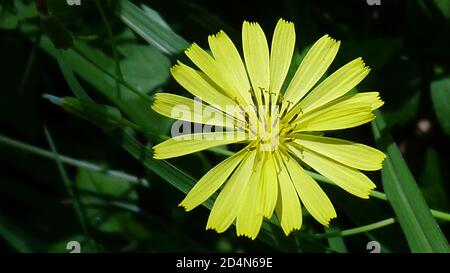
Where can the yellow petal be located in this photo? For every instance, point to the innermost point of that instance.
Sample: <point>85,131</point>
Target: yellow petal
<point>312,68</point>
<point>226,206</point>
<point>288,207</point>
<point>211,182</point>
<point>371,98</point>
<point>181,108</point>
<point>196,83</point>
<point>355,155</point>
<point>282,48</point>
<point>349,179</point>
<point>191,143</point>
<point>336,85</point>
<point>256,54</point>
<point>311,195</point>
<point>335,116</point>
<point>228,58</point>
<point>270,187</point>
<point>212,69</point>
<point>249,217</point>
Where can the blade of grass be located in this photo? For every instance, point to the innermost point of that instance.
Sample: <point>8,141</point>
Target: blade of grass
<point>70,190</point>
<point>150,29</point>
<point>71,79</point>
<point>421,230</point>
<point>72,161</point>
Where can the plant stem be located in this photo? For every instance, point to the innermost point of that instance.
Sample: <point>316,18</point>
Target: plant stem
<point>113,44</point>
<point>352,231</point>
<point>73,162</point>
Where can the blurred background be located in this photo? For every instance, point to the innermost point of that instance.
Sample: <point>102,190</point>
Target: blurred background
<point>43,207</point>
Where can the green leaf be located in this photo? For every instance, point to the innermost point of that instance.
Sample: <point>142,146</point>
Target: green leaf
<point>141,66</point>
<point>88,180</point>
<point>421,230</point>
<point>148,25</point>
<point>98,193</point>
<point>132,105</point>
<point>440,95</point>
<point>154,15</point>
<point>7,19</point>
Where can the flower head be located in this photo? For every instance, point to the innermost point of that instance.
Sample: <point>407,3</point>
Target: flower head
<point>280,123</point>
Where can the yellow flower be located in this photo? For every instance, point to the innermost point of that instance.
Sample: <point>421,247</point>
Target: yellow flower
<point>280,129</point>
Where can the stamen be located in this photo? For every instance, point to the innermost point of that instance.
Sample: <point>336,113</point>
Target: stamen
<point>289,139</point>
<point>270,96</point>
<point>263,98</point>
<point>280,99</point>
<point>287,108</point>
<point>288,131</point>
<point>294,117</point>
<point>297,113</point>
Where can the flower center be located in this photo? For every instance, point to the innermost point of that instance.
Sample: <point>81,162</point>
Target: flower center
<point>269,121</point>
